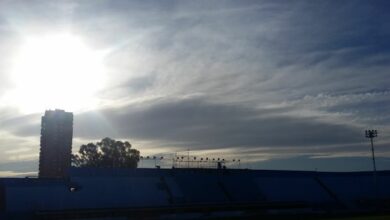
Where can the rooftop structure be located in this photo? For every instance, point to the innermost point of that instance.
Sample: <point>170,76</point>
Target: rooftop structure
<point>56,144</point>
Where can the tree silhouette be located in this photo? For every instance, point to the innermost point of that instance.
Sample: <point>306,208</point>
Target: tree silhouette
<point>106,153</point>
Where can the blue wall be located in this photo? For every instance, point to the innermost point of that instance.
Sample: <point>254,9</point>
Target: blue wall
<point>124,188</point>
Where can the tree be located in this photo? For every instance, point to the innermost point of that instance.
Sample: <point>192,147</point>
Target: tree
<point>106,153</point>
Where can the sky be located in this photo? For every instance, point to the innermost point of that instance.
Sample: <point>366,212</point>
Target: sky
<point>277,84</point>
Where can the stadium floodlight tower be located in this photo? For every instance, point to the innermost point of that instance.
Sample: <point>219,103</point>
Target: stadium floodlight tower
<point>372,134</point>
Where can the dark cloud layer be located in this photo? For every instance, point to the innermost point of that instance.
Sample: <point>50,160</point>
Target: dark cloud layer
<point>201,124</point>
<point>25,125</point>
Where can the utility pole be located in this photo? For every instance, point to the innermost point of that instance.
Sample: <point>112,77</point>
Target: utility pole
<point>373,134</point>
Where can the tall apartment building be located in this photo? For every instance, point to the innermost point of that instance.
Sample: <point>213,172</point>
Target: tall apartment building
<point>56,144</point>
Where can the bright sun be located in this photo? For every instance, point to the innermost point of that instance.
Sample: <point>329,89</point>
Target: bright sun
<point>55,71</point>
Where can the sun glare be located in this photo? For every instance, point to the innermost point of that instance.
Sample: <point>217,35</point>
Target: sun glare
<point>55,71</point>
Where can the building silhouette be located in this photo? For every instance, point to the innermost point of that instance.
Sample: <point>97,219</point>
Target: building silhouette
<point>56,144</point>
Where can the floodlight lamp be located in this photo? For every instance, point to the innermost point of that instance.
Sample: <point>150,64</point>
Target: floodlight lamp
<point>371,133</point>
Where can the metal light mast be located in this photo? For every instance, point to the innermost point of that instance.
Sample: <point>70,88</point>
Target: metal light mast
<point>373,134</point>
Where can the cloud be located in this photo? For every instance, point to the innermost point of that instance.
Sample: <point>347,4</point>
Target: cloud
<point>260,77</point>
<point>22,125</point>
<point>205,125</point>
<point>19,168</point>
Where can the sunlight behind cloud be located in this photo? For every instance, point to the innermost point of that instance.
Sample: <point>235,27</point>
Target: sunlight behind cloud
<point>55,71</point>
